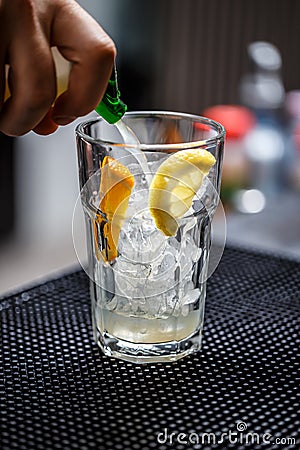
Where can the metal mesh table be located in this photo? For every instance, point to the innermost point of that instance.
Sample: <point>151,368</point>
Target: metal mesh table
<point>57,391</point>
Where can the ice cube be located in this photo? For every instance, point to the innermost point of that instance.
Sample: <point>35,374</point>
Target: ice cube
<point>192,249</point>
<point>190,297</point>
<point>112,304</point>
<point>129,285</point>
<point>162,306</point>
<point>188,286</point>
<point>140,241</point>
<point>185,310</point>
<point>187,301</point>
<point>120,304</point>
<point>166,265</point>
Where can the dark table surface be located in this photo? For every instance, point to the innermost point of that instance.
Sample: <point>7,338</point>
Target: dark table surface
<point>57,391</point>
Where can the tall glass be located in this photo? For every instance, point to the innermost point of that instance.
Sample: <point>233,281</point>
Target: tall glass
<point>147,268</point>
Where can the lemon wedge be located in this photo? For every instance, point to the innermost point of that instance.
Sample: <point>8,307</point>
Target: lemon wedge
<point>174,186</point>
<point>116,185</point>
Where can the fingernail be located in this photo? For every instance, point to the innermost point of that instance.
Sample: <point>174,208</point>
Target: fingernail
<point>63,120</point>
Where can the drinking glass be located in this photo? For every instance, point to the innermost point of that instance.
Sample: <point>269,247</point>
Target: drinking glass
<point>147,285</point>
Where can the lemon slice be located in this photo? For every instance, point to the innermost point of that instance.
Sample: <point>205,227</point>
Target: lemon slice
<point>174,186</point>
<point>116,185</point>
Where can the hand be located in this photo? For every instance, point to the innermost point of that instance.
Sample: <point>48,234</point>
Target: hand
<point>28,30</point>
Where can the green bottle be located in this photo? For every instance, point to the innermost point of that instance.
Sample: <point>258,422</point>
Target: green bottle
<point>111,107</point>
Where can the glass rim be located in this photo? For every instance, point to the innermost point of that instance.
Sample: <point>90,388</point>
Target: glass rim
<point>219,128</point>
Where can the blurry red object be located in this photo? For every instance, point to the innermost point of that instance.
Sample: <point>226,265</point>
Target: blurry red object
<point>236,119</point>
<point>202,127</point>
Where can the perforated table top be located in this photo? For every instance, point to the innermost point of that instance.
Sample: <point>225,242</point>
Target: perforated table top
<point>57,391</point>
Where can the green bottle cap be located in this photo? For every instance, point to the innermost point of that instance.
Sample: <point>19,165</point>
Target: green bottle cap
<point>111,108</point>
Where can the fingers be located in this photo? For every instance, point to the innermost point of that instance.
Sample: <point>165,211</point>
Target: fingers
<point>46,125</point>
<point>30,29</point>
<point>31,78</point>
<point>82,41</point>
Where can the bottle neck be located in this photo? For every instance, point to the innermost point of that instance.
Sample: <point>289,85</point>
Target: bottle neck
<point>111,107</point>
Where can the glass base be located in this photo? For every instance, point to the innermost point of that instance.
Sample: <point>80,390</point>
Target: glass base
<point>141,353</point>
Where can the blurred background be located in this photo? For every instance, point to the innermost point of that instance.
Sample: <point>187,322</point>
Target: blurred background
<point>235,61</point>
